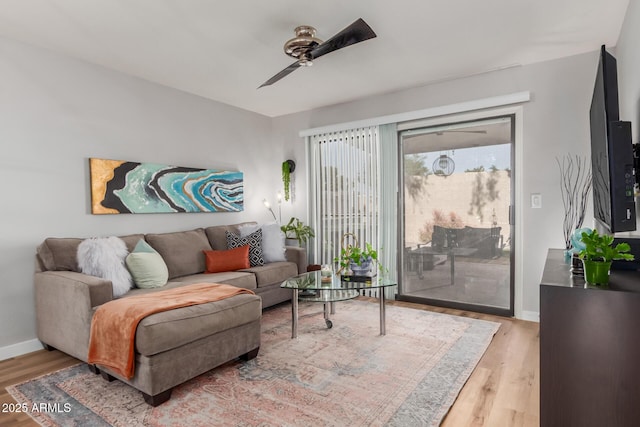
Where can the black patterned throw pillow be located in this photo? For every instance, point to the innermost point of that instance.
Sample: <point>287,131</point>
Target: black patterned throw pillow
<point>254,240</point>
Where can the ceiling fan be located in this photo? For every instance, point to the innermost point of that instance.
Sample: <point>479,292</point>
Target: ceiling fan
<point>305,47</point>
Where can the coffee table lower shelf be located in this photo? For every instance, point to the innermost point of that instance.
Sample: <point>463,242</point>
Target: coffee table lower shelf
<point>313,287</point>
<point>328,297</point>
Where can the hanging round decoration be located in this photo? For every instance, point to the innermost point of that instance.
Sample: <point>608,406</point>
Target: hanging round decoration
<point>443,165</point>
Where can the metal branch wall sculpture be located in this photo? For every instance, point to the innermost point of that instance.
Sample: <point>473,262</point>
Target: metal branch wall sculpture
<point>575,186</point>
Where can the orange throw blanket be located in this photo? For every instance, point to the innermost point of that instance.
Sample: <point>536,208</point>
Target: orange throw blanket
<point>113,327</point>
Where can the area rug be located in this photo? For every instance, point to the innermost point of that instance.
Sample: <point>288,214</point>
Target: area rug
<point>348,375</point>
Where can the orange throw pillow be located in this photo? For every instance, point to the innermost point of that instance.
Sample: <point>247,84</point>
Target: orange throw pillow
<point>228,260</point>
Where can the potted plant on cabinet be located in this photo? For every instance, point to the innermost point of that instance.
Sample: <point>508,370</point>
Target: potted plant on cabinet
<point>597,255</point>
<point>296,232</point>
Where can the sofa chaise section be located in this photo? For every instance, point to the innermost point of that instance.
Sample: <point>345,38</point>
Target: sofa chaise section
<point>194,339</point>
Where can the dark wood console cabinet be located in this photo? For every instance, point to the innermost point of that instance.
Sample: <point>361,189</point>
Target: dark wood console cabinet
<point>589,349</point>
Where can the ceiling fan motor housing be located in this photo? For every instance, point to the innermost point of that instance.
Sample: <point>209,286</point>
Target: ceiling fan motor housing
<point>302,44</point>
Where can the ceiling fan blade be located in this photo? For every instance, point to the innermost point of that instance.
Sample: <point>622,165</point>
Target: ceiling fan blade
<point>290,69</point>
<point>357,32</point>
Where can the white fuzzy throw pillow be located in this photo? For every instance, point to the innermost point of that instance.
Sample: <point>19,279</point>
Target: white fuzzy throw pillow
<point>104,257</point>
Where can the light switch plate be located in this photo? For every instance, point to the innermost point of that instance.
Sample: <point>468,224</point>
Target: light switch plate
<point>536,200</point>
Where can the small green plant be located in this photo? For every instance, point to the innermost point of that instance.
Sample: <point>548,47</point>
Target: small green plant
<point>286,178</point>
<point>599,247</point>
<point>296,229</point>
<point>357,255</point>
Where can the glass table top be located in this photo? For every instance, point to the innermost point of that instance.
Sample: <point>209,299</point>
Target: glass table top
<point>314,280</point>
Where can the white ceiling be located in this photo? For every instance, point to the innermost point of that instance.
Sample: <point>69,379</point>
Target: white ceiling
<point>223,50</point>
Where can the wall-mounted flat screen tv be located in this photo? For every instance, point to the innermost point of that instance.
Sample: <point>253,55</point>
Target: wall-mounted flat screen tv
<point>611,153</point>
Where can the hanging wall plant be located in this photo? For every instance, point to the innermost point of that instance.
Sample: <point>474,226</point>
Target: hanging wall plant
<point>288,166</point>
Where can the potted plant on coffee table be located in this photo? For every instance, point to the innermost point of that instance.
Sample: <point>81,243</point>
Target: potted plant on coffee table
<point>354,260</point>
<point>296,232</point>
<point>597,255</point>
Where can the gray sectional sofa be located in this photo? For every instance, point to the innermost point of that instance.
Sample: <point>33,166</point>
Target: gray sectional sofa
<point>174,346</point>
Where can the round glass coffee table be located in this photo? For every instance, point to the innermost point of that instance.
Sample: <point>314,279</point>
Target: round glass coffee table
<point>314,287</point>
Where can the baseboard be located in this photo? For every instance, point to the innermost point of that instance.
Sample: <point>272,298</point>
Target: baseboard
<point>532,316</point>
<point>19,349</point>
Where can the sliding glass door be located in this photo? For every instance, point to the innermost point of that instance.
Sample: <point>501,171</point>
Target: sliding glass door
<point>456,242</point>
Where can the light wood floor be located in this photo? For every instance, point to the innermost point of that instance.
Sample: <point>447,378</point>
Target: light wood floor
<point>503,390</point>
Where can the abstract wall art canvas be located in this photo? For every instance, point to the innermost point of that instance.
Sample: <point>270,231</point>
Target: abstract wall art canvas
<point>119,186</point>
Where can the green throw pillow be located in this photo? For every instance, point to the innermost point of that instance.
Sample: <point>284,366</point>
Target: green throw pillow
<point>147,267</point>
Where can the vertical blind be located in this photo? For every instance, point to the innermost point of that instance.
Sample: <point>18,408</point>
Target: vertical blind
<point>345,190</point>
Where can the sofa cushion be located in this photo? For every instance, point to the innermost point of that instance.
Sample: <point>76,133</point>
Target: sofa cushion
<point>60,254</point>
<point>105,257</point>
<point>217,234</point>
<point>181,251</point>
<point>227,260</point>
<point>272,240</point>
<point>241,279</point>
<point>274,272</point>
<point>254,240</point>
<point>131,240</point>
<point>170,329</point>
<point>146,266</point>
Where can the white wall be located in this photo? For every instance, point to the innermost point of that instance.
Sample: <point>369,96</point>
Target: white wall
<point>628,56</point>
<point>555,123</point>
<point>56,112</point>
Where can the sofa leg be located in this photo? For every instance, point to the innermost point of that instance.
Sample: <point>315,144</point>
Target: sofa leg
<point>94,369</point>
<point>158,399</point>
<point>47,346</point>
<point>250,355</point>
<point>107,376</point>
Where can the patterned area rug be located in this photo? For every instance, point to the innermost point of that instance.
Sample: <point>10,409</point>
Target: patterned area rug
<point>345,376</point>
